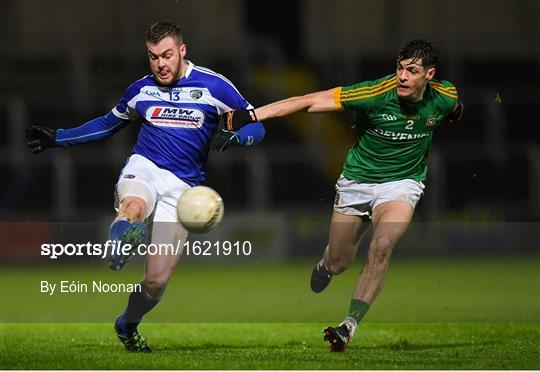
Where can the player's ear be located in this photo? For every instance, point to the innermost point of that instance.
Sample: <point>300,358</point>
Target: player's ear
<point>431,73</point>
<point>183,50</point>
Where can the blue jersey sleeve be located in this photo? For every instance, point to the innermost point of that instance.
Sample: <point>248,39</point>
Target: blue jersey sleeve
<point>125,109</point>
<point>251,134</point>
<point>93,130</point>
<point>227,96</point>
<point>120,116</point>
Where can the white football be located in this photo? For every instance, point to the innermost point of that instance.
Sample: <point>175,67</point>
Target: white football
<point>200,209</point>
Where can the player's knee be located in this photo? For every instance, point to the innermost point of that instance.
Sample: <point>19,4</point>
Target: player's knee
<point>381,250</point>
<point>134,209</point>
<point>337,265</point>
<point>156,284</point>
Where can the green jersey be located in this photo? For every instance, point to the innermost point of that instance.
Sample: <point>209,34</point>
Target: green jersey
<point>395,135</point>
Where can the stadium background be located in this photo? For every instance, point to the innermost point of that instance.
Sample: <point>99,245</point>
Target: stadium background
<point>65,62</point>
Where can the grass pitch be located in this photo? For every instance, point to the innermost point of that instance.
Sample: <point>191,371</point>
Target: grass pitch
<point>454,313</point>
<point>274,346</point>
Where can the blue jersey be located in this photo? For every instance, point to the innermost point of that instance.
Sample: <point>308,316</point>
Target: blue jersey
<point>178,121</point>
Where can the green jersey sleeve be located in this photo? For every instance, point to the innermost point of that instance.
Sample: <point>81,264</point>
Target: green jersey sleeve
<point>361,96</point>
<point>446,95</point>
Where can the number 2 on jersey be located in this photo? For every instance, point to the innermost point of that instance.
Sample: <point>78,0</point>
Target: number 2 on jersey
<point>409,125</point>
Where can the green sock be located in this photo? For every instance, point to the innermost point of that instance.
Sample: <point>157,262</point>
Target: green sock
<point>357,309</point>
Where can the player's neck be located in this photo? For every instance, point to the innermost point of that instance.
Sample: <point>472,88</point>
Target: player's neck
<point>417,97</point>
<point>183,68</point>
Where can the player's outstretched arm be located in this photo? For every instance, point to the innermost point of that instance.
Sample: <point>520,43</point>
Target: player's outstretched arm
<point>243,126</point>
<point>40,138</point>
<point>323,101</point>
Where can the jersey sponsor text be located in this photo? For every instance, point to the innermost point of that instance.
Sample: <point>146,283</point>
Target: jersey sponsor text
<point>398,136</point>
<point>175,117</point>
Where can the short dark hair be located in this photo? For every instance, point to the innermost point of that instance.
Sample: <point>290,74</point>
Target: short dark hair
<point>419,49</point>
<point>160,30</point>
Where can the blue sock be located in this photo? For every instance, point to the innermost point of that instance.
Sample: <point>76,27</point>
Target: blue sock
<point>125,329</point>
<point>139,304</point>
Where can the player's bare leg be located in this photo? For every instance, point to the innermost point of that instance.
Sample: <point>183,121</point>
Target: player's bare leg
<point>127,228</point>
<point>390,221</point>
<point>345,234</point>
<point>133,208</point>
<point>159,268</point>
<point>158,271</point>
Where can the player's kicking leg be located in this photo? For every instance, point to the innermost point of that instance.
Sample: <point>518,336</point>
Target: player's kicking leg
<point>159,269</point>
<point>390,221</point>
<point>136,194</point>
<point>345,234</point>
<point>128,228</point>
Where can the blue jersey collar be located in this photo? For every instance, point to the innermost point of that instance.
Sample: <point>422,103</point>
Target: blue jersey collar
<point>189,68</point>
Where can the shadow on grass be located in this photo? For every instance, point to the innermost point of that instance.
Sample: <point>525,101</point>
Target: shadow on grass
<point>402,344</point>
<point>208,347</point>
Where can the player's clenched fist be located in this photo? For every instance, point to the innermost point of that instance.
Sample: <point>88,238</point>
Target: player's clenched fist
<point>39,138</point>
<point>456,115</point>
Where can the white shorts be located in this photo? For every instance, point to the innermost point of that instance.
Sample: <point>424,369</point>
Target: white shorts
<point>159,188</point>
<point>359,199</point>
